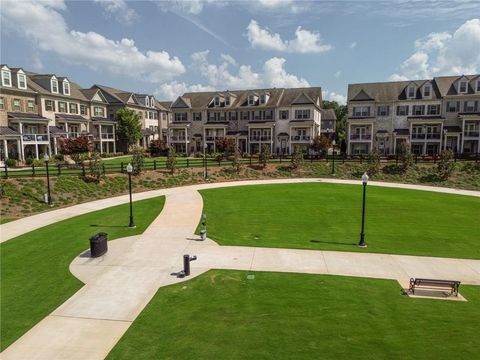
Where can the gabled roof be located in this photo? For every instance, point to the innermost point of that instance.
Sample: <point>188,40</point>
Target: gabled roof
<point>328,114</point>
<point>446,84</point>
<point>182,102</point>
<point>362,96</point>
<point>93,95</point>
<point>37,83</point>
<point>25,116</point>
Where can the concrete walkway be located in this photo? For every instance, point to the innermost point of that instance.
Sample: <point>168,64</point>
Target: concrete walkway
<point>121,283</point>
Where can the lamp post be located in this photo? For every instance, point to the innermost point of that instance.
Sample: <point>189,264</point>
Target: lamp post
<point>49,197</point>
<point>362,242</point>
<point>445,132</point>
<point>333,156</point>
<point>129,171</point>
<point>205,161</point>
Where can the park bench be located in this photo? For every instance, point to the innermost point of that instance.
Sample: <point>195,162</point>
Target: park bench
<point>451,285</point>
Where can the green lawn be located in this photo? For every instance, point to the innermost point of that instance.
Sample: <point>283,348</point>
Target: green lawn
<point>328,216</point>
<point>35,278</point>
<point>221,315</point>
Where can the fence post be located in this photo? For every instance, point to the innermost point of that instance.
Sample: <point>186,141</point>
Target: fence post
<point>103,168</point>
<point>59,171</point>
<point>416,158</point>
<point>6,169</point>
<point>121,167</point>
<point>83,169</point>
<point>361,158</point>
<point>343,158</point>
<point>250,159</point>
<point>396,159</point>
<point>311,158</point>
<point>154,164</point>
<point>455,157</point>
<point>33,170</point>
<point>188,163</point>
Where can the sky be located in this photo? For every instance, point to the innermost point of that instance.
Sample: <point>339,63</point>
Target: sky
<point>166,48</point>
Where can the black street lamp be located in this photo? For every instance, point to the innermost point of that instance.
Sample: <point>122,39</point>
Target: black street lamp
<point>205,160</point>
<point>362,242</point>
<point>129,171</point>
<point>49,197</point>
<point>333,156</point>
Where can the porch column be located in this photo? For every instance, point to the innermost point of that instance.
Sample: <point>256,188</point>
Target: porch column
<point>348,139</point>
<point>67,130</point>
<point>458,142</point>
<point>100,136</point>
<point>114,139</point>
<point>186,141</point>
<point>36,150</point>
<point>460,150</point>
<point>5,145</point>
<point>394,139</point>
<point>55,145</point>
<point>19,149</point>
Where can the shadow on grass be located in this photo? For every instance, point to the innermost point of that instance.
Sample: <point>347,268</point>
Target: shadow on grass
<point>333,243</point>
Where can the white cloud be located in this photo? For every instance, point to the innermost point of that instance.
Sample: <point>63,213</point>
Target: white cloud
<point>193,7</point>
<point>120,10</point>
<point>333,96</point>
<point>444,53</point>
<point>220,77</point>
<point>229,58</point>
<point>43,24</point>
<point>353,45</point>
<point>305,41</point>
<point>274,3</point>
<point>337,74</point>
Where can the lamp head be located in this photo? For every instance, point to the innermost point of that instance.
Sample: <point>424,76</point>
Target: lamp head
<point>46,157</point>
<point>334,142</point>
<point>364,179</point>
<point>129,168</point>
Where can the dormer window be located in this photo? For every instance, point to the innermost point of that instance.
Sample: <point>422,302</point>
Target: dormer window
<point>227,100</point>
<point>462,87</point>
<point>411,91</point>
<point>6,78</point>
<point>21,80</point>
<point>427,90</point>
<point>147,101</point>
<point>152,101</point>
<point>251,100</point>
<point>477,88</point>
<point>54,85</point>
<point>262,99</point>
<point>217,101</point>
<point>66,87</point>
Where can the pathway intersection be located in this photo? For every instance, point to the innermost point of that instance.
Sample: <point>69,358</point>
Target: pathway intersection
<point>120,284</point>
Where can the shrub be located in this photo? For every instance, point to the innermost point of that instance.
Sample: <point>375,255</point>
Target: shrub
<point>406,157</point>
<point>321,144</point>
<point>373,163</point>
<point>158,148</point>
<point>11,162</point>
<point>446,164</point>
<point>171,160</point>
<point>265,154</point>
<point>29,160</point>
<point>138,157</point>
<point>237,160</point>
<point>59,157</point>
<point>225,145</point>
<point>297,158</point>
<point>75,147</point>
<point>95,167</point>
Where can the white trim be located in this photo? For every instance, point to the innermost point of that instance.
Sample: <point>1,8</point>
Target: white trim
<point>53,80</point>
<point>21,74</point>
<point>66,82</point>
<point>9,73</point>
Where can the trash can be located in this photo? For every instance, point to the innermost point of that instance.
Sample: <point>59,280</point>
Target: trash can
<point>203,234</point>
<point>98,244</point>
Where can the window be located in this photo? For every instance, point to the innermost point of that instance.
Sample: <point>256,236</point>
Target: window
<point>462,87</point>
<point>49,105</point>
<point>251,100</point>
<point>62,107</point>
<point>302,114</point>
<point>427,90</point>
<point>244,115</point>
<point>418,110</point>
<point>147,101</point>
<point>411,92</point>
<point>2,103</point>
<point>66,87</point>
<point>54,85</point>
<point>360,111</point>
<point>22,81</point>
<point>16,105</point>
<point>283,114</point>
<point>268,115</point>
<point>180,117</point>
<point>197,116</point>
<point>99,111</point>
<point>83,110</point>
<point>383,110</point>
<point>433,110</point>
<point>402,110</point>
<point>470,106</point>
<point>73,108</point>
<point>30,106</point>
<point>262,99</point>
<point>453,106</point>
<point>217,101</point>
<point>478,86</point>
<point>227,101</point>
<point>6,78</point>
<point>152,102</point>
<point>232,115</point>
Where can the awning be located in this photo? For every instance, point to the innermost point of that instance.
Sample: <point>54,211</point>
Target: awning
<point>402,132</point>
<point>56,131</point>
<point>452,129</point>
<point>8,131</point>
<point>26,117</point>
<point>67,117</point>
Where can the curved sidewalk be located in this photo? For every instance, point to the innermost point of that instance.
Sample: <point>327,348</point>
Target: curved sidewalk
<point>16,228</point>
<point>120,284</point>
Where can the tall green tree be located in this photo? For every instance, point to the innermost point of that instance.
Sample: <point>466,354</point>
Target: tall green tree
<point>129,126</point>
<point>341,111</point>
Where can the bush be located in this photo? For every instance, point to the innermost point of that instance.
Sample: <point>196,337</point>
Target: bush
<point>265,154</point>
<point>237,160</point>
<point>373,163</point>
<point>297,158</point>
<point>406,157</point>
<point>95,168</point>
<point>29,160</point>
<point>171,160</point>
<point>59,157</point>
<point>138,157</point>
<point>11,162</point>
<point>76,147</point>
<point>158,148</point>
<point>446,164</point>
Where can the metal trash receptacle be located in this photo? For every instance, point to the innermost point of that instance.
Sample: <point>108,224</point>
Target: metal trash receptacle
<point>98,244</point>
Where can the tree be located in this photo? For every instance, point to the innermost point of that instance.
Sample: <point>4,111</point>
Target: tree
<point>171,160</point>
<point>75,147</point>
<point>321,143</point>
<point>373,163</point>
<point>341,112</point>
<point>237,160</point>
<point>297,158</point>
<point>446,164</point>
<point>138,157</point>
<point>405,156</point>
<point>158,148</point>
<point>264,154</point>
<point>95,167</point>
<point>129,126</point>
<point>225,145</point>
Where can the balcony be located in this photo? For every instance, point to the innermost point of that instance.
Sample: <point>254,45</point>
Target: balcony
<point>418,136</point>
<point>471,133</point>
<point>73,134</point>
<point>260,138</point>
<point>360,137</point>
<point>35,137</point>
<point>107,136</point>
<point>213,138</point>
<point>177,138</point>
<point>434,136</point>
<point>300,138</point>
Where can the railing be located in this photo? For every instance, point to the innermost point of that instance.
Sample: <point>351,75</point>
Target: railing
<point>418,136</point>
<point>471,133</point>
<point>73,134</point>
<point>107,136</point>
<point>260,138</point>
<point>34,137</point>
<point>177,138</point>
<point>300,138</point>
<point>433,136</point>
<point>360,137</point>
<point>213,138</point>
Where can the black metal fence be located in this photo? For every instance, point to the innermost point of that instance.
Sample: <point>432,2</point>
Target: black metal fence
<point>161,164</point>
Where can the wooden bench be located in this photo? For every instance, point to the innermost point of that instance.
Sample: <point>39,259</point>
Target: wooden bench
<point>451,285</point>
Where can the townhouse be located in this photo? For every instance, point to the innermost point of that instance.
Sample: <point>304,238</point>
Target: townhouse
<point>425,115</point>
<point>284,119</point>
